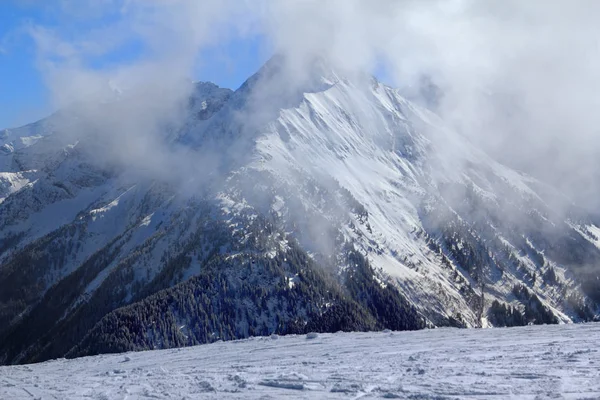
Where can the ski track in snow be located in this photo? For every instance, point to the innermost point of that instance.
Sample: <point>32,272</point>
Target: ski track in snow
<point>535,362</point>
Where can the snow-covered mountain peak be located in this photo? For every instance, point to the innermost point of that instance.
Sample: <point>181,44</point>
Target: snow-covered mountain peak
<point>309,198</point>
<point>208,89</point>
<point>304,75</point>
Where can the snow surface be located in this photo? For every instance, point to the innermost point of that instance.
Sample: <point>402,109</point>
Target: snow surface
<point>535,362</point>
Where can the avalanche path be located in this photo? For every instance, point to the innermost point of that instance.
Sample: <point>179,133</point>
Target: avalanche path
<point>535,362</point>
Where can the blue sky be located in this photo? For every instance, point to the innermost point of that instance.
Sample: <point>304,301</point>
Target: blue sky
<point>24,97</point>
<point>22,93</point>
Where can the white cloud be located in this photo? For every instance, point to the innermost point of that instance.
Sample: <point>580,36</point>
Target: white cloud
<point>518,77</point>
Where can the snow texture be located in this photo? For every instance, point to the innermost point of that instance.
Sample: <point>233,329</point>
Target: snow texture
<point>535,362</point>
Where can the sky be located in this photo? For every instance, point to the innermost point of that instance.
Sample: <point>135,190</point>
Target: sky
<point>24,94</point>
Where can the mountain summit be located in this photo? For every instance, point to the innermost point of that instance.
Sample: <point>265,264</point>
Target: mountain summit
<point>303,201</point>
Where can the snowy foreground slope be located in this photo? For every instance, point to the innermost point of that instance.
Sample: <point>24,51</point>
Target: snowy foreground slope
<point>535,362</point>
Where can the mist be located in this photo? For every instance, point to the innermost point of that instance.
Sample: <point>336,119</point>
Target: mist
<point>518,79</point>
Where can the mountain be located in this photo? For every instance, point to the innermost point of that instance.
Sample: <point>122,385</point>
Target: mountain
<point>303,201</point>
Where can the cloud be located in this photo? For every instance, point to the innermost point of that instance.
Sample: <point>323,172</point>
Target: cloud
<point>518,78</point>
<point>139,52</point>
<point>163,39</point>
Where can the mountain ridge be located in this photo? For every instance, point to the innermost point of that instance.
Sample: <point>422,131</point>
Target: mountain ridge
<point>378,200</point>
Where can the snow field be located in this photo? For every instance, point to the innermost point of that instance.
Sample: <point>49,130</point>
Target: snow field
<point>535,362</point>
